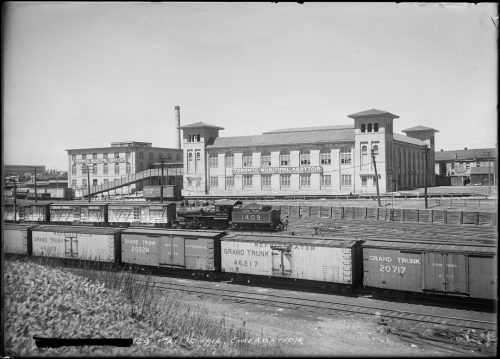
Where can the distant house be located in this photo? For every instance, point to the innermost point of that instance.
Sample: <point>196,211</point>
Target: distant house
<point>456,167</point>
<point>482,176</point>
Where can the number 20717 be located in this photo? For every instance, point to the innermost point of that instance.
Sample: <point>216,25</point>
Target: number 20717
<point>392,269</point>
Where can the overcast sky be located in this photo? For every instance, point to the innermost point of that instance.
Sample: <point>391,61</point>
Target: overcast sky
<point>80,75</point>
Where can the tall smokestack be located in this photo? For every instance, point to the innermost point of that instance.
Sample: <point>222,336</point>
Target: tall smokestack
<point>178,118</point>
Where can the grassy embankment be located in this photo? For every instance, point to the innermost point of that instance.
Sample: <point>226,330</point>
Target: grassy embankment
<point>44,298</point>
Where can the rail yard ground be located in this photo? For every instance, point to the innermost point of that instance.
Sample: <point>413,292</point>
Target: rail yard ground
<point>41,299</point>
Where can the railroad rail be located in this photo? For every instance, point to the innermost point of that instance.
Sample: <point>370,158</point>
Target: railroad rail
<point>344,305</point>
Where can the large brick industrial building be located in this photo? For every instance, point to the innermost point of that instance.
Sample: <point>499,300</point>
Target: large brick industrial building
<point>308,161</point>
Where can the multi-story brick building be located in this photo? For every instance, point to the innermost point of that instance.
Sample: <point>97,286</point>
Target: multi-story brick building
<point>308,161</point>
<point>107,164</point>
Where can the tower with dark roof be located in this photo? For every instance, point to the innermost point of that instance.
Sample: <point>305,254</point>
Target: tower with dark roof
<point>373,131</point>
<point>425,134</point>
<point>196,137</point>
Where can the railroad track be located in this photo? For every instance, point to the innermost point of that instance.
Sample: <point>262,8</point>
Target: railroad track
<point>330,306</point>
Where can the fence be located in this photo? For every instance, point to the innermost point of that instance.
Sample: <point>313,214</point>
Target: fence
<point>391,215</point>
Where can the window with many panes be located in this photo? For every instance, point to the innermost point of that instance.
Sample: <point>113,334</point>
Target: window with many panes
<point>94,169</point>
<point>105,182</point>
<point>117,154</point>
<point>285,158</point>
<point>285,181</point>
<point>117,168</point>
<point>247,181</point>
<point>84,182</point>
<point>105,156</point>
<point>326,180</point>
<point>305,180</point>
<point>190,161</point>
<point>266,181</point>
<point>345,157</point>
<point>84,156</point>
<point>94,156</point>
<point>105,169</point>
<point>265,159</point>
<point>305,158</point>
<point>73,183</point>
<point>213,161</point>
<point>198,160</point>
<point>73,157</point>
<point>325,157</point>
<point>73,169</point>
<point>364,181</point>
<point>229,160</point>
<point>345,180</point>
<point>214,181</point>
<point>230,182</point>
<point>247,159</point>
<point>128,168</point>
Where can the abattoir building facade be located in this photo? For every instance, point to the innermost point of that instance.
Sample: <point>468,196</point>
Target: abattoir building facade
<point>330,160</point>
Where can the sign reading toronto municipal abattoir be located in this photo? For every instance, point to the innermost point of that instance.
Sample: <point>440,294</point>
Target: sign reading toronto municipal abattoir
<point>281,170</point>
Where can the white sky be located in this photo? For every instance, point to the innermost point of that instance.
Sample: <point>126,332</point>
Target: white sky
<point>80,75</point>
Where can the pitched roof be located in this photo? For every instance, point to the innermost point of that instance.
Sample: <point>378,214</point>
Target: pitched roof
<point>419,128</point>
<point>200,124</point>
<point>407,139</point>
<point>372,112</point>
<point>472,154</point>
<point>289,137</point>
<point>304,129</point>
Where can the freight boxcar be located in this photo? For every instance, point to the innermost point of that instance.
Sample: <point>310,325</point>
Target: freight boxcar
<point>79,212</point>
<point>462,270</point>
<point>27,211</point>
<point>77,242</point>
<point>335,261</point>
<point>16,238</point>
<point>254,216</point>
<point>133,213</point>
<point>190,250</point>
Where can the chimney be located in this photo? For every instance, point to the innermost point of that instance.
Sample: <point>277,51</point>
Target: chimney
<point>465,148</point>
<point>178,120</point>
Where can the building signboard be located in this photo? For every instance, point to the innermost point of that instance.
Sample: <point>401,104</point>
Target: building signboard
<point>280,170</point>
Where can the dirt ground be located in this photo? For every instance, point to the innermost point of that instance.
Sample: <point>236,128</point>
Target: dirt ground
<point>307,334</point>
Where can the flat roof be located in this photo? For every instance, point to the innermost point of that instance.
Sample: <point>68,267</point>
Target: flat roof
<point>77,229</point>
<point>432,247</point>
<point>286,239</point>
<point>173,232</point>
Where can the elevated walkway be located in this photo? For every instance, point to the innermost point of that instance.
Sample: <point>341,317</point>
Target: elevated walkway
<point>130,179</point>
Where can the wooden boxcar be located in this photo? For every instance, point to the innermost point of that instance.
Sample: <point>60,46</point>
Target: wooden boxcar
<point>325,260</point>
<point>16,238</point>
<point>27,211</point>
<point>198,251</point>
<point>131,212</point>
<point>463,270</point>
<point>100,244</point>
<point>79,212</point>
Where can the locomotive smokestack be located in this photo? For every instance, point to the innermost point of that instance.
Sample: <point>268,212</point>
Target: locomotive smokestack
<point>178,120</point>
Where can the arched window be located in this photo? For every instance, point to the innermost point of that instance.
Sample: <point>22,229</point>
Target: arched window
<point>73,169</point>
<point>364,150</point>
<point>94,169</point>
<point>84,169</point>
<point>285,158</point>
<point>117,168</point>
<point>189,138</point>
<point>363,128</point>
<point>305,158</point>
<point>190,161</point>
<point>375,127</point>
<point>247,159</point>
<point>369,127</point>
<point>105,169</point>
<point>229,159</point>
<point>198,138</point>
<point>265,159</point>
<point>375,150</point>
<point>198,160</point>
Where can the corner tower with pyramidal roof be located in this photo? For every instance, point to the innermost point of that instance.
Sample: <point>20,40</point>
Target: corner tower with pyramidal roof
<point>196,137</point>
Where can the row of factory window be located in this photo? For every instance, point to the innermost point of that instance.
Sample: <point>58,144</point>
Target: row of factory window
<point>374,128</point>
<point>105,170</point>
<point>265,159</point>
<point>127,155</point>
<point>285,181</point>
<point>84,182</point>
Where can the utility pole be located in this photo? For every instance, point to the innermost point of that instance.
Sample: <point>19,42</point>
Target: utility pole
<point>88,181</point>
<point>489,173</point>
<point>161,180</point>
<point>376,178</point>
<point>13,179</point>
<point>426,175</point>
<point>35,186</point>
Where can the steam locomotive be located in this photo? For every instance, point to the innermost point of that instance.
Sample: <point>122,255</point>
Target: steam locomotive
<point>225,214</point>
